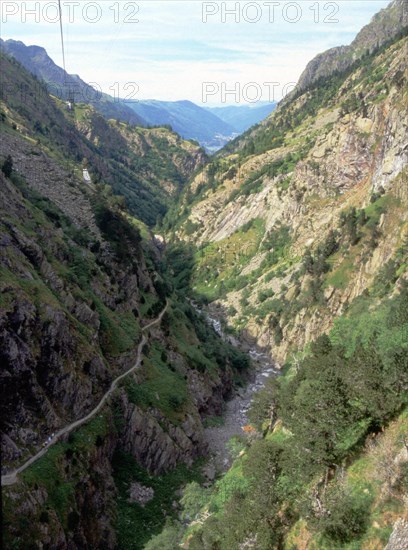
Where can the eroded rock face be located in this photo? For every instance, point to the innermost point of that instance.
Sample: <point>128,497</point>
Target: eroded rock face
<point>140,494</point>
<point>43,382</point>
<point>352,155</point>
<point>209,394</point>
<point>399,536</point>
<point>157,444</point>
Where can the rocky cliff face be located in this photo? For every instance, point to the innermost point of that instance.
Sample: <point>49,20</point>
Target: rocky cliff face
<point>156,443</point>
<point>341,147</point>
<point>384,26</point>
<point>78,282</point>
<point>69,323</point>
<point>35,514</point>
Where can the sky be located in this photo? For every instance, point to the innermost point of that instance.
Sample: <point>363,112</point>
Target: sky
<point>209,52</point>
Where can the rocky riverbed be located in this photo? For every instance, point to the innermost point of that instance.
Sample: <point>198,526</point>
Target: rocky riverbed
<point>235,415</point>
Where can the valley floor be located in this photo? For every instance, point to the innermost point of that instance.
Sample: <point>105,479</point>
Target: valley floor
<point>235,420</point>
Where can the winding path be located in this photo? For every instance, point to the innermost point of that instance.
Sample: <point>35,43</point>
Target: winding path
<point>11,478</point>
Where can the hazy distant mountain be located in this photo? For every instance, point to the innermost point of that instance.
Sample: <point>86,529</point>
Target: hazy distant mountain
<point>210,127</point>
<point>242,117</point>
<point>187,119</point>
<point>36,60</point>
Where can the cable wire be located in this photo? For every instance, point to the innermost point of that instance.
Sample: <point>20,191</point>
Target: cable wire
<point>62,38</point>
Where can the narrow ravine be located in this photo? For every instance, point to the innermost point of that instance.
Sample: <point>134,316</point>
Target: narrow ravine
<point>235,415</point>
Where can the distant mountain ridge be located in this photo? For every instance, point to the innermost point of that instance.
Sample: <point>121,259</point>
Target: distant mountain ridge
<point>36,60</point>
<point>242,117</point>
<point>187,119</point>
<point>211,128</point>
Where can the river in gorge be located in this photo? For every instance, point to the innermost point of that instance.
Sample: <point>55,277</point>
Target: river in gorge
<point>235,414</point>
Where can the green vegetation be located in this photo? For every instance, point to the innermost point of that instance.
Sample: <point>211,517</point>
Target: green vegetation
<point>349,385</point>
<point>7,166</point>
<point>202,347</point>
<point>118,332</point>
<point>213,421</point>
<point>216,268</point>
<point>135,523</point>
<point>340,278</point>
<point>163,387</point>
<point>277,243</point>
<point>117,230</point>
<point>317,264</point>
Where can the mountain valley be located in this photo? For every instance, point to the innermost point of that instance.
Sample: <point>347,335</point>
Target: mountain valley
<point>167,299</point>
<point>212,128</point>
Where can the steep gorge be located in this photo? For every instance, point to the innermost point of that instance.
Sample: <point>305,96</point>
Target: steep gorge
<point>301,221</point>
<point>80,278</point>
<point>302,234</point>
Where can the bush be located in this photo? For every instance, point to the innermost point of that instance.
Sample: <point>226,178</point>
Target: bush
<point>346,515</point>
<point>193,500</point>
<point>7,166</point>
<point>239,360</point>
<point>316,264</point>
<point>168,539</point>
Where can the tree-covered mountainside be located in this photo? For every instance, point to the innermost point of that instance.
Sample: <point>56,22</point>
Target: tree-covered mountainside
<point>326,473</point>
<point>146,166</point>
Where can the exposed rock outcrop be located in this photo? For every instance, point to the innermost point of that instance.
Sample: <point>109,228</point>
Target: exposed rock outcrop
<point>355,149</point>
<point>399,536</point>
<point>157,444</point>
<point>383,27</point>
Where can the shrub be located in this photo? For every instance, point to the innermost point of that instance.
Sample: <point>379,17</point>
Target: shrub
<point>346,515</point>
<point>7,166</point>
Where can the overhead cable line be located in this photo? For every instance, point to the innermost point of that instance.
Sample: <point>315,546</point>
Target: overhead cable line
<point>62,38</point>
